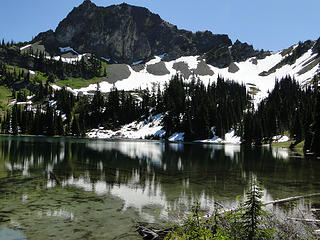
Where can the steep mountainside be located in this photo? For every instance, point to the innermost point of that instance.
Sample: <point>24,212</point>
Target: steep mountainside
<point>126,34</point>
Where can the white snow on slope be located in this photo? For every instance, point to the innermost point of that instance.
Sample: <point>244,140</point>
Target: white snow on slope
<point>134,130</point>
<point>248,74</point>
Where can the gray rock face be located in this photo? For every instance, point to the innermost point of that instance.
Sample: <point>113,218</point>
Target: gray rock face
<point>203,69</point>
<point>158,69</point>
<point>233,68</point>
<point>138,68</point>
<point>117,72</point>
<point>183,68</point>
<point>126,34</point>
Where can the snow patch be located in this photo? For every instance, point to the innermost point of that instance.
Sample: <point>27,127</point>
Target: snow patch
<point>137,63</point>
<point>22,48</point>
<point>229,138</point>
<point>69,60</point>
<point>176,137</point>
<point>106,59</point>
<point>280,139</point>
<point>20,103</point>
<point>135,130</point>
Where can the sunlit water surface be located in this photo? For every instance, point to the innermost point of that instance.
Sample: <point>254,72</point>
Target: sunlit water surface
<point>55,188</point>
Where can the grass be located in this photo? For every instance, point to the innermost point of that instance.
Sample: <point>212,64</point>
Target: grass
<point>282,144</point>
<point>77,83</point>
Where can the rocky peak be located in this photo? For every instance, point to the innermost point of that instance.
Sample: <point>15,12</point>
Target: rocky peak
<point>126,33</point>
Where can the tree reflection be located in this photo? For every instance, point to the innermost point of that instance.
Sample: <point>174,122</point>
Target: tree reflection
<point>156,172</point>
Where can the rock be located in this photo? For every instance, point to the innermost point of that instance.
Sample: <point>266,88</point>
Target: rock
<point>183,68</point>
<point>117,72</point>
<point>126,34</point>
<point>158,69</point>
<point>233,68</point>
<point>203,69</point>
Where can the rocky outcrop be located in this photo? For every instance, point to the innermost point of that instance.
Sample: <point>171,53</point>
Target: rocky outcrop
<point>223,56</point>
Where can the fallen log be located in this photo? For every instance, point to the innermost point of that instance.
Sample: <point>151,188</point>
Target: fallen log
<point>304,220</point>
<point>147,234</point>
<point>292,199</point>
<point>153,234</point>
<point>273,202</point>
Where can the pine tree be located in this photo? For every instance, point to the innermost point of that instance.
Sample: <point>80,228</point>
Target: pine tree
<point>14,120</point>
<point>253,212</point>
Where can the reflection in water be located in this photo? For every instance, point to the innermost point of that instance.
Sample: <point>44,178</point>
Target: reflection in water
<point>157,179</point>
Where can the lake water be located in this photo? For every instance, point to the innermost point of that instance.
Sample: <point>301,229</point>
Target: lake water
<point>56,188</point>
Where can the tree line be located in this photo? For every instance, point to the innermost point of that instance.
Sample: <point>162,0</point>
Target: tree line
<point>187,107</point>
<point>289,108</point>
<point>87,67</point>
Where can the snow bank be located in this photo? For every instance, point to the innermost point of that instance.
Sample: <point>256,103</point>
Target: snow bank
<point>229,138</point>
<point>176,137</point>
<point>280,139</point>
<point>135,130</point>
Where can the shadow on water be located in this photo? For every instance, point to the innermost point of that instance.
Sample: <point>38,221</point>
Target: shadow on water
<point>79,188</point>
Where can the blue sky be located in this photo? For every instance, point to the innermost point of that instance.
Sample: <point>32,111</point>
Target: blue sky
<point>272,24</point>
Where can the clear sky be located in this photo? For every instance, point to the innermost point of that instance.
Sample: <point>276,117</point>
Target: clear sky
<point>267,24</point>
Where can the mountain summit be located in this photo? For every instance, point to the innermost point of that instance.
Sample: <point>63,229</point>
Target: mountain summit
<point>126,34</point>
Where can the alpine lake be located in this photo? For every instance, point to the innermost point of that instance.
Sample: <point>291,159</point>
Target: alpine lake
<point>65,188</point>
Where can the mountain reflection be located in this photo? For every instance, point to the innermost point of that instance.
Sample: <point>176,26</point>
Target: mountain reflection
<point>144,173</point>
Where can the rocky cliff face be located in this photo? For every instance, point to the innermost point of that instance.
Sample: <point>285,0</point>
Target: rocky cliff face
<point>127,34</point>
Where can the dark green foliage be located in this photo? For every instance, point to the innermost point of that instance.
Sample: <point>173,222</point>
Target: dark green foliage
<point>245,223</point>
<point>315,128</point>
<point>194,108</point>
<point>253,212</point>
<point>288,108</point>
<point>87,68</point>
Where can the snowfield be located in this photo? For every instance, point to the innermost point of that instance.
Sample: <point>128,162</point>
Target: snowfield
<point>249,73</point>
<point>153,127</point>
<point>254,73</point>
